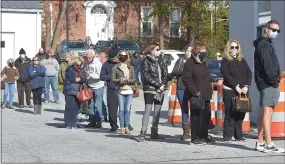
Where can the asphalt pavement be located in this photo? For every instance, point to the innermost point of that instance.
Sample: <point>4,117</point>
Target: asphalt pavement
<point>28,138</point>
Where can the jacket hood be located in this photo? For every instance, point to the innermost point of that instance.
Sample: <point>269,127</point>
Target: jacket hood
<point>255,42</point>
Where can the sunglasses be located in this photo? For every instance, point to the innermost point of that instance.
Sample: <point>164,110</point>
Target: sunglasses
<point>35,60</point>
<point>274,30</point>
<point>236,47</point>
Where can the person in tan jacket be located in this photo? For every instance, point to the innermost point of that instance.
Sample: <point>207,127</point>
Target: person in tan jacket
<point>9,75</point>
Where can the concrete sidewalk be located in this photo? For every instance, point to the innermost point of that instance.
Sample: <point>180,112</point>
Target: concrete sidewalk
<point>42,139</point>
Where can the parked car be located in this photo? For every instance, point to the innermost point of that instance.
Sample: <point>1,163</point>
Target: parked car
<point>130,46</point>
<point>102,46</point>
<point>170,57</point>
<point>77,46</point>
<point>214,69</point>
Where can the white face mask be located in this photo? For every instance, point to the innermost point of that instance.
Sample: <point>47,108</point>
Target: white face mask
<point>23,56</point>
<point>157,53</point>
<point>272,35</point>
<point>233,53</point>
<point>188,54</point>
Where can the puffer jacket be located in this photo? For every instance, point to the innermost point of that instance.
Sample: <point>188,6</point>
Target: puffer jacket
<point>71,86</point>
<point>149,73</point>
<point>117,74</point>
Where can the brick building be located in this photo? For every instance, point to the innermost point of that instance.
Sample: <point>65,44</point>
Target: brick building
<point>119,19</point>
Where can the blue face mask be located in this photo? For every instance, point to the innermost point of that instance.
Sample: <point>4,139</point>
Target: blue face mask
<point>157,53</point>
<point>202,56</point>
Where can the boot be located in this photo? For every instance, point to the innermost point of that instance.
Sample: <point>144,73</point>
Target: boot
<point>186,133</point>
<point>142,136</point>
<point>39,109</point>
<point>98,125</point>
<point>154,133</point>
<point>35,109</point>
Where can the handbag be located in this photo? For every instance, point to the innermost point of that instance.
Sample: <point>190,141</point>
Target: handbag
<point>241,104</point>
<point>197,102</point>
<point>136,91</point>
<point>2,84</point>
<point>84,94</point>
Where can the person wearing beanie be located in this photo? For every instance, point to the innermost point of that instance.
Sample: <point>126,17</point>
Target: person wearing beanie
<point>10,74</point>
<point>41,54</point>
<point>22,64</point>
<point>51,77</point>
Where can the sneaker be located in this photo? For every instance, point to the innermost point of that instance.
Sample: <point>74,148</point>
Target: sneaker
<point>261,147</point>
<point>21,106</point>
<point>30,106</point>
<point>57,102</point>
<point>198,142</point>
<point>113,129</point>
<point>242,139</point>
<point>122,131</point>
<point>10,107</point>
<point>210,141</point>
<point>273,148</point>
<point>46,101</point>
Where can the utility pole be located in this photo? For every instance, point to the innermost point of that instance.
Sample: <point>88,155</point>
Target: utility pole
<point>67,25</point>
<point>215,27</point>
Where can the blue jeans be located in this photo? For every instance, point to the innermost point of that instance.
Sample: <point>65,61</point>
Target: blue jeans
<point>53,82</point>
<point>105,105</point>
<point>183,101</point>
<point>124,109</point>
<point>95,105</point>
<point>9,89</point>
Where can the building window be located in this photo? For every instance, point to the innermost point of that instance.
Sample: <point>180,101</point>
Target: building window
<point>76,18</point>
<point>146,22</point>
<point>174,22</point>
<point>98,9</point>
<point>264,6</point>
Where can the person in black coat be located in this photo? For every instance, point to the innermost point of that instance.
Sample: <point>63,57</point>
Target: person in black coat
<point>237,79</point>
<point>74,77</point>
<point>197,81</point>
<point>22,64</point>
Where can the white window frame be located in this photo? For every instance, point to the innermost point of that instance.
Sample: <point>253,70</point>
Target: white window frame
<point>169,23</point>
<point>149,21</point>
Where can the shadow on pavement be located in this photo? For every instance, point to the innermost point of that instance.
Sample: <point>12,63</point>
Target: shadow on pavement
<point>24,111</point>
<point>57,125</point>
<point>116,135</point>
<point>58,119</point>
<point>54,110</point>
<point>163,113</point>
<point>103,130</point>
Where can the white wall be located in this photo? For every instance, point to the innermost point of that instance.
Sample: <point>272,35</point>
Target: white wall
<point>243,28</point>
<point>27,31</point>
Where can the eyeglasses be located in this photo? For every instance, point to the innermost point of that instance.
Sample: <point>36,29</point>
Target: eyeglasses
<point>236,47</point>
<point>274,30</point>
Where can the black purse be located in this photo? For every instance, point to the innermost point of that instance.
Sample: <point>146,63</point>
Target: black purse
<point>197,103</point>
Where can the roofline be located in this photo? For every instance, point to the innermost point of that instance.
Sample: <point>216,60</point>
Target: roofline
<point>22,10</point>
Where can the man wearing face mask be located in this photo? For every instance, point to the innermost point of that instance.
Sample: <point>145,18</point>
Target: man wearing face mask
<point>177,73</point>
<point>267,78</point>
<point>22,64</point>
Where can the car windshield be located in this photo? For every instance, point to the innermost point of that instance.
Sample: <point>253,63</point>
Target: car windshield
<point>103,44</point>
<point>78,45</point>
<point>128,45</point>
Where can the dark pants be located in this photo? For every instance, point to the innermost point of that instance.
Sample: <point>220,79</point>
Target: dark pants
<point>71,110</point>
<point>113,104</point>
<point>37,96</point>
<point>24,87</point>
<point>233,120</point>
<point>200,120</point>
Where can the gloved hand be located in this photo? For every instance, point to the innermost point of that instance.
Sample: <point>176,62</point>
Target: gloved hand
<point>238,89</point>
<point>245,90</point>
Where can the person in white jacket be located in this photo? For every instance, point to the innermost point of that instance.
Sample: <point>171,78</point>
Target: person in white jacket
<point>93,80</point>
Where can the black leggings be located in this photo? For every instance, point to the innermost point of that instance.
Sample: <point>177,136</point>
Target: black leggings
<point>37,96</point>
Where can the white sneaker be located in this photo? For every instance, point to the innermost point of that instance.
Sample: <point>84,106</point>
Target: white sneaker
<point>274,149</point>
<point>261,147</point>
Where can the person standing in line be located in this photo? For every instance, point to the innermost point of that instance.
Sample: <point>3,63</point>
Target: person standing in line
<point>237,78</point>
<point>37,83</point>
<point>23,86</point>
<point>93,80</point>
<point>197,81</point>
<point>51,78</point>
<point>74,78</point>
<point>154,77</point>
<point>10,74</point>
<point>41,54</point>
<point>183,101</point>
<point>267,78</point>
<point>123,75</point>
<point>112,98</point>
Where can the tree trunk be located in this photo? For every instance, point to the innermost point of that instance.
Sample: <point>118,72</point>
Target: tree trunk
<point>57,29</point>
<point>48,25</point>
<point>161,37</point>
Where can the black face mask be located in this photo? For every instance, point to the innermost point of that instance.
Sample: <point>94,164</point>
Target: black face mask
<point>11,64</point>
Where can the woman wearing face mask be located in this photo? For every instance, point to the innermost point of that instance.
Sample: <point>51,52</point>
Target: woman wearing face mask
<point>237,79</point>
<point>124,76</point>
<point>154,77</point>
<point>183,101</point>
<point>9,74</point>
<point>197,81</point>
<point>37,83</point>
<point>74,77</point>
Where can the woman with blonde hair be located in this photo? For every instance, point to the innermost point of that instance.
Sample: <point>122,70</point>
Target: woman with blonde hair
<point>237,79</point>
<point>123,75</point>
<point>74,77</point>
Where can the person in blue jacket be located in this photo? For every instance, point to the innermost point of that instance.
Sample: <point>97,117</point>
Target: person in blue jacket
<point>37,83</point>
<point>74,77</point>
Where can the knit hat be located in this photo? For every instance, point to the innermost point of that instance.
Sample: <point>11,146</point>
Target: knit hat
<point>22,51</point>
<point>10,60</point>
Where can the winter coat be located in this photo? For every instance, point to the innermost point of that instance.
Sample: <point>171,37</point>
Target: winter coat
<point>23,68</point>
<point>117,74</point>
<point>37,76</point>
